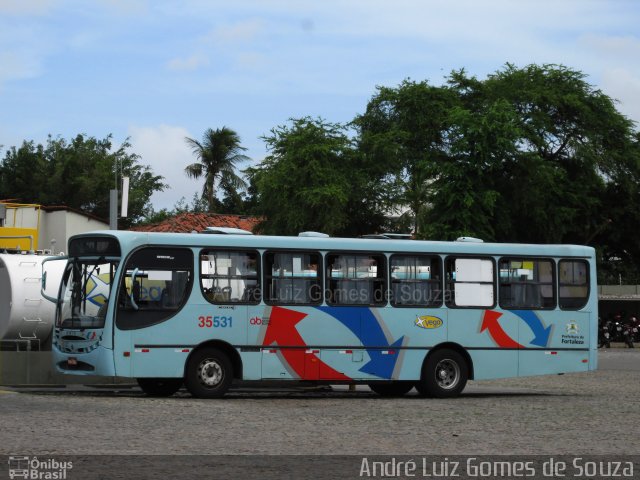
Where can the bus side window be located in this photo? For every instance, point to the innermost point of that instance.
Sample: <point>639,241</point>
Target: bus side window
<point>527,283</point>
<point>416,280</point>
<point>230,276</point>
<point>573,283</point>
<point>355,279</point>
<point>470,282</point>
<point>292,278</point>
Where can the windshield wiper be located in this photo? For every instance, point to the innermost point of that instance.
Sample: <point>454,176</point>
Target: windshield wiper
<point>86,280</point>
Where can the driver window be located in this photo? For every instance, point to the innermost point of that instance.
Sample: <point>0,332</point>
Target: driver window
<point>155,286</point>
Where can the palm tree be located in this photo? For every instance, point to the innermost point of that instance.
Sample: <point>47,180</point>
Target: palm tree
<point>217,156</point>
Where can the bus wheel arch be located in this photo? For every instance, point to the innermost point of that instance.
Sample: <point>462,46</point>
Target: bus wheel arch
<point>210,369</point>
<point>445,371</point>
<point>232,354</point>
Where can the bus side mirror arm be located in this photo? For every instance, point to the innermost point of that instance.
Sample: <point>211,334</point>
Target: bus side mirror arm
<point>43,284</point>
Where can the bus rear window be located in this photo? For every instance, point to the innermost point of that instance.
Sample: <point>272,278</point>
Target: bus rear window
<point>573,283</point>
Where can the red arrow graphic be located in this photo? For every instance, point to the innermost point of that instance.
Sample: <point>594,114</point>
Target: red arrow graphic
<point>282,332</point>
<point>490,322</point>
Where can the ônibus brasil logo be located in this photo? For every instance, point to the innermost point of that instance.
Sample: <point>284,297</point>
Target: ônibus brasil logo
<point>35,469</point>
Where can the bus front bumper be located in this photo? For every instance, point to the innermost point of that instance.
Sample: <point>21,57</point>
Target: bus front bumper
<point>97,362</point>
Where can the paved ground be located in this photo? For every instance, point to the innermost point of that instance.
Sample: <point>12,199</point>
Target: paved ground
<point>594,413</point>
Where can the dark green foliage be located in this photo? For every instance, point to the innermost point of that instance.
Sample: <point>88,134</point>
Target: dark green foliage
<point>402,137</point>
<point>77,173</point>
<point>533,154</point>
<point>314,179</point>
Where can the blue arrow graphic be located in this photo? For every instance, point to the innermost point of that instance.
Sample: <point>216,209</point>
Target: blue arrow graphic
<point>366,327</point>
<point>540,332</point>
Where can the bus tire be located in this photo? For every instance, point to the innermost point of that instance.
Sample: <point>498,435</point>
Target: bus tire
<point>391,389</point>
<point>209,373</point>
<point>444,375</point>
<point>160,387</point>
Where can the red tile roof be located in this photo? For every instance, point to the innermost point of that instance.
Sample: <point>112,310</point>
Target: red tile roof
<point>189,222</point>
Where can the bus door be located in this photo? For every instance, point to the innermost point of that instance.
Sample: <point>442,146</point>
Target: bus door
<point>152,295</point>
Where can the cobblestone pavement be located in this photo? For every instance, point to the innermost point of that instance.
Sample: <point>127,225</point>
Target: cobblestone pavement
<point>592,413</point>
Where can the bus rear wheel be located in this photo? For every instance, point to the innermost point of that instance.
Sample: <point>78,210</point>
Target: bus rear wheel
<point>391,389</point>
<point>209,373</point>
<point>444,375</point>
<point>160,387</point>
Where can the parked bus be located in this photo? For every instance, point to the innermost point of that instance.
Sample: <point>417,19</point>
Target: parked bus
<point>202,310</point>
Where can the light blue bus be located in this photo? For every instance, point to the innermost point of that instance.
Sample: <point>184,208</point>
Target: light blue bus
<point>202,310</point>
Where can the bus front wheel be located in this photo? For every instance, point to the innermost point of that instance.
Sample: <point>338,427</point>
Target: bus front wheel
<point>444,375</point>
<point>160,387</point>
<point>209,373</point>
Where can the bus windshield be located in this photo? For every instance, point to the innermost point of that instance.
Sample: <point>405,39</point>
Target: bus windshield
<point>84,293</point>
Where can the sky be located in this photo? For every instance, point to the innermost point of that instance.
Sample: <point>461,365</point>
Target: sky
<point>157,71</point>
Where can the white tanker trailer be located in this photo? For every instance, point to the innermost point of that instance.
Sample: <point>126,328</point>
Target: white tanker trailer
<point>25,316</point>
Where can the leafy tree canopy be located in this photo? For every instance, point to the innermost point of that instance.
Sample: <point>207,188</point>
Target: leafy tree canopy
<point>314,179</point>
<point>402,134</point>
<point>533,154</point>
<point>78,173</point>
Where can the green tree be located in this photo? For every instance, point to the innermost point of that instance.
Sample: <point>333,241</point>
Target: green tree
<point>466,196</point>
<point>78,173</point>
<point>313,179</point>
<point>570,147</point>
<point>402,137</point>
<point>616,237</point>
<point>537,154</point>
<point>218,155</point>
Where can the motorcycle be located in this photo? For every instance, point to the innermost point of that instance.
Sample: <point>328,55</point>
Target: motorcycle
<point>618,333</point>
<point>629,333</point>
<point>604,336</point>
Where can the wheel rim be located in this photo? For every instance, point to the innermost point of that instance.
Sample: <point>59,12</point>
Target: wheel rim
<point>210,373</point>
<point>447,374</point>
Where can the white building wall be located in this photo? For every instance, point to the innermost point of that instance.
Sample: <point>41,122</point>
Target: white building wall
<point>61,225</point>
<point>52,225</point>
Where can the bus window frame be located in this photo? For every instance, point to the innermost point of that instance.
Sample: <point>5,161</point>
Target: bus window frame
<point>319,276</point>
<point>441,282</point>
<point>385,277</point>
<point>588,282</point>
<point>202,251</point>
<point>122,285</point>
<point>554,282</point>
<point>451,293</point>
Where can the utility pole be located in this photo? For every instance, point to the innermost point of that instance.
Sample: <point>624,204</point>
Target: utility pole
<point>113,201</point>
<point>113,209</point>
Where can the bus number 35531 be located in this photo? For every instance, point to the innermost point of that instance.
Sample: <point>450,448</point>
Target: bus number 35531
<point>215,322</point>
